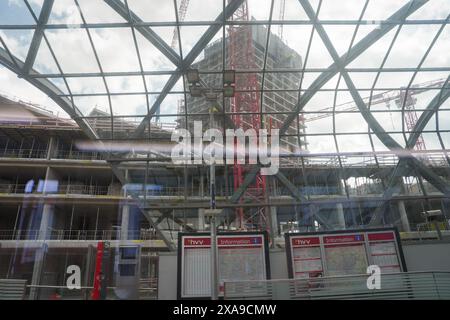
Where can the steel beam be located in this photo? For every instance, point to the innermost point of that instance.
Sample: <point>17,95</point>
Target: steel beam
<point>146,213</point>
<point>188,60</point>
<point>272,71</point>
<point>351,55</point>
<point>425,117</point>
<point>296,22</point>
<point>177,220</point>
<point>147,32</point>
<point>249,178</point>
<point>385,138</point>
<point>292,189</point>
<point>37,36</point>
<point>314,210</point>
<point>430,110</point>
<point>16,65</point>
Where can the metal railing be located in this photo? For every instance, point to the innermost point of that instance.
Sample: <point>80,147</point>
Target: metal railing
<point>24,153</point>
<point>78,155</point>
<point>402,286</point>
<point>75,234</point>
<point>83,189</point>
<point>434,159</point>
<point>53,292</point>
<point>148,290</point>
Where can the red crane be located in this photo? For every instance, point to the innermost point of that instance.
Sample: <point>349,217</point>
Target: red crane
<point>242,56</point>
<point>398,96</point>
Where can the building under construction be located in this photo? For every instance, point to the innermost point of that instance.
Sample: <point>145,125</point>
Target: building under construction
<point>275,104</point>
<point>363,177</point>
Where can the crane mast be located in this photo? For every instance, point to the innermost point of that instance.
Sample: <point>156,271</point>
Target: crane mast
<point>401,98</point>
<point>242,56</point>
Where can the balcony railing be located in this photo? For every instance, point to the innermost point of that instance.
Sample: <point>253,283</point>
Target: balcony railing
<point>79,189</point>
<point>407,285</point>
<point>78,155</point>
<point>76,235</point>
<point>42,154</point>
<point>24,153</point>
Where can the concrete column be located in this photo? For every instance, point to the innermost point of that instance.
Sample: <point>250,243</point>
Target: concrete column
<point>52,147</point>
<point>40,254</point>
<point>51,185</point>
<point>340,216</point>
<point>46,222</point>
<point>201,219</point>
<point>88,271</point>
<point>274,222</point>
<point>39,259</point>
<point>130,222</point>
<point>125,222</point>
<point>202,187</point>
<point>403,216</point>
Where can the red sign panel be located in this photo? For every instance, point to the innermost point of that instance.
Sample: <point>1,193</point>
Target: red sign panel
<point>351,238</point>
<point>197,242</point>
<point>385,236</point>
<point>240,257</point>
<point>343,252</point>
<point>308,241</point>
<point>239,241</point>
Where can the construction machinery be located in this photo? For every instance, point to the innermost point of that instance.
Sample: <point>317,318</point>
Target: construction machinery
<point>242,56</point>
<point>182,10</point>
<point>403,99</point>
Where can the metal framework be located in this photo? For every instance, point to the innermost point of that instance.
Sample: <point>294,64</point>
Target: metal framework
<point>320,79</point>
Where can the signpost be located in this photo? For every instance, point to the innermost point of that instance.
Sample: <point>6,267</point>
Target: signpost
<point>240,256</point>
<point>343,252</point>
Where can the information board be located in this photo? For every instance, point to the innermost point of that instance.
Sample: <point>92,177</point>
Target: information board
<point>383,250</point>
<point>241,256</point>
<point>343,252</point>
<point>306,257</point>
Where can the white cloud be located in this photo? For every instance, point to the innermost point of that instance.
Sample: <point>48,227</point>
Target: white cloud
<point>116,52</point>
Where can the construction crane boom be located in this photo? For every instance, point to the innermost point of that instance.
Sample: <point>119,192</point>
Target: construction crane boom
<point>181,16</point>
<point>384,97</point>
<point>281,18</point>
<point>398,96</point>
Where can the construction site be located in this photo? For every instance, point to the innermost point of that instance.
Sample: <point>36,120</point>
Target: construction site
<point>357,98</point>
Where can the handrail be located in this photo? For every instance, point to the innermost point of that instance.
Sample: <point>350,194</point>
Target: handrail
<point>64,188</point>
<point>56,234</point>
<point>24,153</point>
<point>406,285</point>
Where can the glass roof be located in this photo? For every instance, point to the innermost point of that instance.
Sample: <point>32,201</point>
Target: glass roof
<point>339,66</point>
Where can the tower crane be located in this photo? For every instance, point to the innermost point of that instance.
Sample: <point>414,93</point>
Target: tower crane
<point>181,15</point>
<point>246,114</point>
<point>281,18</point>
<point>400,97</point>
<point>182,10</point>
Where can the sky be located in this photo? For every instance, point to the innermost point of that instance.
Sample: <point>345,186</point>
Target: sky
<point>117,52</point>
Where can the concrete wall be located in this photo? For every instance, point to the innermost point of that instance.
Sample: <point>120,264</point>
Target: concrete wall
<point>167,278</point>
<point>427,255</point>
<point>278,264</point>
